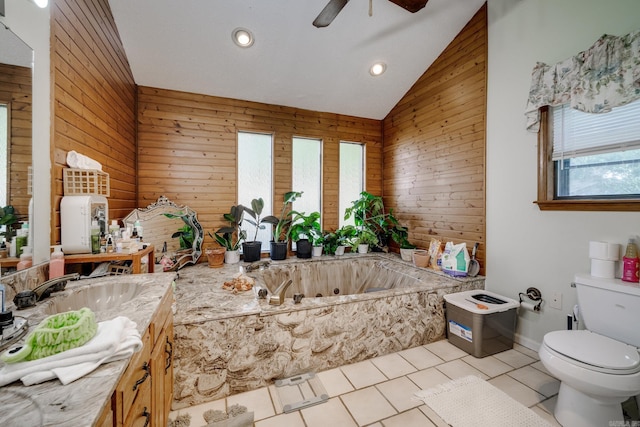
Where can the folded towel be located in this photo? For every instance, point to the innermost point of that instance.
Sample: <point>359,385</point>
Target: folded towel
<point>80,161</point>
<point>116,339</point>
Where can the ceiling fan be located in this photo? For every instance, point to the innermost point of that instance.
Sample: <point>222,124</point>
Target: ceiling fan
<point>334,7</point>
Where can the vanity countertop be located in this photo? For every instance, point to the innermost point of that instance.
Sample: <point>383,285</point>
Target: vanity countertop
<point>80,403</point>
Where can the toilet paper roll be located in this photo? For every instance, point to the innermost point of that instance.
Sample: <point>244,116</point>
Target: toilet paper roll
<point>604,251</point>
<point>603,269</point>
<point>528,306</point>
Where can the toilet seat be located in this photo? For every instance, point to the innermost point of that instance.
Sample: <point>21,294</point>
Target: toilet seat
<point>593,351</point>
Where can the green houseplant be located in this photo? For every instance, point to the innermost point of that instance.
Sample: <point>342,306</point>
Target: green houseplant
<point>251,248</point>
<point>8,218</point>
<point>400,235</point>
<point>363,240</point>
<point>305,231</point>
<point>231,236</point>
<point>281,226</point>
<point>369,213</point>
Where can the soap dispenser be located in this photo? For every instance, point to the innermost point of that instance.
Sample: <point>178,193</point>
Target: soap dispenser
<point>56,262</point>
<point>630,263</point>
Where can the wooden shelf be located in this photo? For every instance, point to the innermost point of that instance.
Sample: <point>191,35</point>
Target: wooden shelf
<point>98,258</point>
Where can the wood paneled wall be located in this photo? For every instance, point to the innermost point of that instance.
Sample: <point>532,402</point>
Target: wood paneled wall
<point>187,149</point>
<point>94,96</point>
<point>434,145</point>
<point>15,91</point>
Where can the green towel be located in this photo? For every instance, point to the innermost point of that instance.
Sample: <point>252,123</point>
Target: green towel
<point>55,334</point>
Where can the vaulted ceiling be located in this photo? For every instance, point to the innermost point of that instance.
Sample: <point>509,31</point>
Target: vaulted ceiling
<point>186,45</point>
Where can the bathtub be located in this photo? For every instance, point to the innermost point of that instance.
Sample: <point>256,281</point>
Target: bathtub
<point>370,305</point>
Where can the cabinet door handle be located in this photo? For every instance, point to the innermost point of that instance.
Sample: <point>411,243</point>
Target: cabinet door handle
<point>168,348</point>
<point>147,416</point>
<point>147,372</point>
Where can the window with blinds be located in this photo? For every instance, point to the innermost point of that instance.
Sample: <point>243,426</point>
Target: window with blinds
<point>597,155</point>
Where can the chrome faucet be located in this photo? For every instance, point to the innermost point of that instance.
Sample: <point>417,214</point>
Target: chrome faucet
<point>26,299</point>
<point>277,298</point>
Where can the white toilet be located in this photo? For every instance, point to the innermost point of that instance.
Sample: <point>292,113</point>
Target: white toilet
<point>599,368</point>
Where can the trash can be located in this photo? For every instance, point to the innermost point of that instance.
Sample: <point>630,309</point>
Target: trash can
<point>480,322</point>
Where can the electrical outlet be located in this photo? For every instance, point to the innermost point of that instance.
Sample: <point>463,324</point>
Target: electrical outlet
<point>556,301</point>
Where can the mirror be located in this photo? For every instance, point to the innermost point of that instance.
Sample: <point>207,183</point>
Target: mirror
<point>162,220</point>
<point>16,59</point>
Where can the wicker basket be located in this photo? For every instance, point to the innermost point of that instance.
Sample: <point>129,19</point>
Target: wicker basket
<point>83,182</point>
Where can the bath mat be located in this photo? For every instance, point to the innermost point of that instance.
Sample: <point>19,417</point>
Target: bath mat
<point>473,402</point>
<point>300,392</point>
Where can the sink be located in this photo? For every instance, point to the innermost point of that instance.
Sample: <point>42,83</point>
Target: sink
<point>97,297</point>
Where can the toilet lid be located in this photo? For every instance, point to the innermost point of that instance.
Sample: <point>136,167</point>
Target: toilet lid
<point>594,349</point>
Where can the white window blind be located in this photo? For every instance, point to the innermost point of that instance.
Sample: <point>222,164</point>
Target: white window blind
<point>576,133</point>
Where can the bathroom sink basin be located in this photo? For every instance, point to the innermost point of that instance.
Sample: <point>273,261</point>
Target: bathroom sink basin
<point>98,297</point>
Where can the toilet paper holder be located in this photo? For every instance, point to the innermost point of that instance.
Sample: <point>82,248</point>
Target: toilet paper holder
<point>533,294</point>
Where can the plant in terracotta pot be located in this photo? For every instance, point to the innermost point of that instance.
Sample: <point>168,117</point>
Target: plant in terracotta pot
<point>281,226</point>
<point>251,248</point>
<point>400,235</point>
<point>231,236</point>
<point>305,231</point>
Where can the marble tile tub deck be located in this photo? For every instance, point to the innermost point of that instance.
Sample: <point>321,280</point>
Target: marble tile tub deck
<point>228,343</point>
<point>378,392</point>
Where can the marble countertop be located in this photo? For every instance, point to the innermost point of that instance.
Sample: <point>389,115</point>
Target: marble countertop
<point>200,297</point>
<point>79,403</point>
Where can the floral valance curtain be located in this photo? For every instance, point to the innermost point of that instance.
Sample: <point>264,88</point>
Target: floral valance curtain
<point>606,75</point>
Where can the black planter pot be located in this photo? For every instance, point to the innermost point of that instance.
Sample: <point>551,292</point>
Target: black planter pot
<point>251,251</point>
<point>278,251</point>
<point>303,248</point>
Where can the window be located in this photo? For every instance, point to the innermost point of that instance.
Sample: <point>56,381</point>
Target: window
<point>255,171</point>
<point>4,134</point>
<point>307,174</point>
<point>351,176</point>
<point>590,161</point>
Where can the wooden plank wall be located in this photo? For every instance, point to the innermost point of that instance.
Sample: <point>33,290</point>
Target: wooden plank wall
<point>94,96</point>
<point>15,91</point>
<point>434,146</point>
<point>187,149</point>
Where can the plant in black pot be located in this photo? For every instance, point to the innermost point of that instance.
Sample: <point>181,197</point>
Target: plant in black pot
<point>231,236</point>
<point>251,249</point>
<point>281,226</point>
<point>305,231</point>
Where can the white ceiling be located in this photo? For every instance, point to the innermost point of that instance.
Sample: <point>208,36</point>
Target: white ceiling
<point>186,45</point>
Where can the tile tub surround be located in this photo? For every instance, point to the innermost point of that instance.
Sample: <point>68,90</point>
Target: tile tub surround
<point>229,343</point>
<point>80,403</point>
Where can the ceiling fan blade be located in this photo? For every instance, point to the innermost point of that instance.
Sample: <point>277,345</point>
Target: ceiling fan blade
<point>329,13</point>
<point>411,5</point>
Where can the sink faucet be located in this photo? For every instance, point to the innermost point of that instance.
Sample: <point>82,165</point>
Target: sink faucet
<point>277,298</point>
<point>26,299</point>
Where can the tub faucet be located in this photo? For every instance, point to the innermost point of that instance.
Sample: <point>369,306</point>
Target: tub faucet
<point>257,265</point>
<point>277,298</point>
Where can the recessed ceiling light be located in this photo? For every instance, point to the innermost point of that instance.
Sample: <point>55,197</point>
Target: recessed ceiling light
<point>242,37</point>
<point>377,68</point>
<point>41,3</point>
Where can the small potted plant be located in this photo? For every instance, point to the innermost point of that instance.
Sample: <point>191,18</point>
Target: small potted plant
<point>231,236</point>
<point>363,240</point>
<point>251,249</point>
<point>305,231</point>
<point>369,213</point>
<point>317,241</point>
<point>400,235</point>
<point>8,218</point>
<point>281,226</point>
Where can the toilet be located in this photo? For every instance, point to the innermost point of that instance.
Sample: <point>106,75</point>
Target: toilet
<point>598,367</point>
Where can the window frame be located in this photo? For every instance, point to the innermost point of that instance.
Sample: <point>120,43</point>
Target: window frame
<point>546,179</point>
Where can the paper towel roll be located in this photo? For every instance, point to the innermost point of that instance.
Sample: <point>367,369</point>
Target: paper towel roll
<point>604,250</point>
<point>603,268</point>
<point>528,306</point>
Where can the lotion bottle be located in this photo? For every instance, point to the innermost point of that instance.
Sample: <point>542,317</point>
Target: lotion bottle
<point>630,263</point>
<point>25,259</point>
<point>56,262</point>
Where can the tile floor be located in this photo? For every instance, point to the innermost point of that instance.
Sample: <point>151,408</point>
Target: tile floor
<point>378,392</point>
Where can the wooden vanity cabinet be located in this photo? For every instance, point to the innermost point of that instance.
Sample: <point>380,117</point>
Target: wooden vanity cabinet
<point>144,394</point>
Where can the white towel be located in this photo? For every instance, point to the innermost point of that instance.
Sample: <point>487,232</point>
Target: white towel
<point>80,161</point>
<point>115,339</point>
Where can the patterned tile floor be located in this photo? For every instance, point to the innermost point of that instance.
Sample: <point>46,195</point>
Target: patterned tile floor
<point>378,392</point>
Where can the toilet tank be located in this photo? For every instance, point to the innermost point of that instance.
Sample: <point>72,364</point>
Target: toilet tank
<point>610,307</point>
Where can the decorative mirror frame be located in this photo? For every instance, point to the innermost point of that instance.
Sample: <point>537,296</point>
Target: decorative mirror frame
<point>167,208</point>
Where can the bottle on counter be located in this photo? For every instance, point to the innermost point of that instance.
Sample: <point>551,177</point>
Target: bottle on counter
<point>56,262</point>
<point>138,227</point>
<point>630,263</point>
<point>26,260</point>
<point>95,237</point>
<point>22,237</point>
<point>114,229</point>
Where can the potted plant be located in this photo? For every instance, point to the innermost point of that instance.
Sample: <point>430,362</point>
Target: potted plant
<point>363,240</point>
<point>400,235</point>
<point>344,236</point>
<point>251,249</point>
<point>305,231</point>
<point>8,218</point>
<point>231,236</point>
<point>281,226</point>
<point>368,213</point>
<point>317,241</point>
